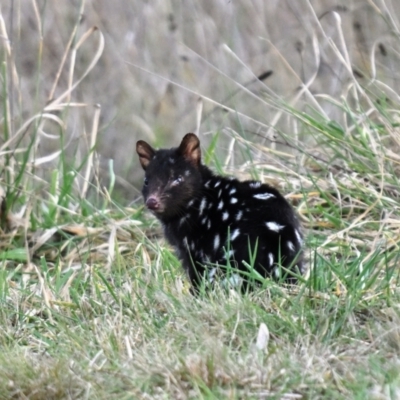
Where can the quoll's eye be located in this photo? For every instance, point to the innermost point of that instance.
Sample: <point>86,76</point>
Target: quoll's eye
<point>177,181</point>
<point>145,181</point>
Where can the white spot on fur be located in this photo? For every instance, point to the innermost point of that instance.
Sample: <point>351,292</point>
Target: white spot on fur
<point>274,226</point>
<point>277,272</point>
<point>219,193</point>
<point>204,221</point>
<point>202,205</point>
<point>271,259</point>
<point>211,275</point>
<point>255,185</point>
<point>220,205</point>
<point>235,234</point>
<point>209,224</point>
<point>234,200</point>
<point>207,184</point>
<point>171,160</point>
<point>217,184</point>
<point>182,220</point>
<point>225,216</point>
<point>187,173</point>
<point>263,196</point>
<point>185,242</point>
<point>290,245</point>
<point>192,246</point>
<point>233,190</point>
<point>298,237</point>
<point>229,254</point>
<point>191,202</point>
<point>239,215</point>
<point>216,242</point>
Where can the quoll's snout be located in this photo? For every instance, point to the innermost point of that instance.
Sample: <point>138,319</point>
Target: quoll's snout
<point>153,203</point>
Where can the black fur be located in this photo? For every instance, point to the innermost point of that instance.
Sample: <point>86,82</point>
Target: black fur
<point>211,220</point>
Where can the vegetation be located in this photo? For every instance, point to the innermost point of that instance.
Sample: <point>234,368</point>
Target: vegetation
<point>94,304</point>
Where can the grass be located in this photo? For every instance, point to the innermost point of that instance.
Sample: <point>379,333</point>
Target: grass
<point>94,303</point>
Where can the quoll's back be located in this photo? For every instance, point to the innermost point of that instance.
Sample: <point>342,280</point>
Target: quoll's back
<point>214,221</point>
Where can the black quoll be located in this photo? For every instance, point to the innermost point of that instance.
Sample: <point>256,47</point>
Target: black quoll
<point>214,221</point>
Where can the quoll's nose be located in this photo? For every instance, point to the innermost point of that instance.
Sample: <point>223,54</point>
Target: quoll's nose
<point>152,203</point>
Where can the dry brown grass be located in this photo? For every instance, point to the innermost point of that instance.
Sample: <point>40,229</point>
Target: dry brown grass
<point>211,49</point>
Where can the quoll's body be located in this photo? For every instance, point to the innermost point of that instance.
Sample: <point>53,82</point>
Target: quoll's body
<point>212,220</point>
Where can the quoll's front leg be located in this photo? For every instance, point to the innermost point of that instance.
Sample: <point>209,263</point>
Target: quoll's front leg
<point>195,272</point>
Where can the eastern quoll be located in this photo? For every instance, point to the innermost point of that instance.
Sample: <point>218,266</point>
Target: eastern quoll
<point>213,221</point>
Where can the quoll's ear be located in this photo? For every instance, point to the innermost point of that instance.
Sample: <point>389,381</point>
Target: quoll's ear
<point>145,152</point>
<point>190,148</point>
